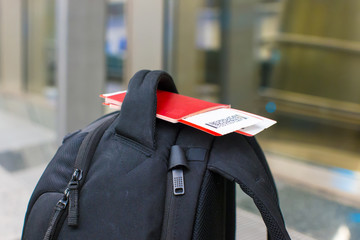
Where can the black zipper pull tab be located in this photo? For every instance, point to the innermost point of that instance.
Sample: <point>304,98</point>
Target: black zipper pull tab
<point>73,187</point>
<point>178,181</point>
<point>56,216</point>
<point>177,163</point>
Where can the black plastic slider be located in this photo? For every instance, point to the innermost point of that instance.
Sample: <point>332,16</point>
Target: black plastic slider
<point>177,158</point>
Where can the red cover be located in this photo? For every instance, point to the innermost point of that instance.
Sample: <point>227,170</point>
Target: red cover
<point>172,106</point>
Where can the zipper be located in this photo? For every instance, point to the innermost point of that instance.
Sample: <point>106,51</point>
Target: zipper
<point>169,205</point>
<point>58,212</point>
<point>177,164</point>
<point>175,190</point>
<point>81,167</point>
<point>70,199</point>
<point>73,189</point>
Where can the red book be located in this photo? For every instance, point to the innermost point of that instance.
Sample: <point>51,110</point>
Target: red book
<point>170,106</point>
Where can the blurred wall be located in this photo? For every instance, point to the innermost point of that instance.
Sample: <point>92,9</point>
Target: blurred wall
<point>39,23</point>
<point>11,66</point>
<point>145,36</point>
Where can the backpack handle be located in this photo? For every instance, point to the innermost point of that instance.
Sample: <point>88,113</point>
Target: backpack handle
<point>137,118</point>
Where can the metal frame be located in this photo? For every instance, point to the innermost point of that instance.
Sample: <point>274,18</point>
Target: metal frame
<point>308,105</point>
<point>317,42</point>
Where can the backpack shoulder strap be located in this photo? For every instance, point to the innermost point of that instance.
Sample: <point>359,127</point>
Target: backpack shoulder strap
<point>233,157</point>
<point>262,159</point>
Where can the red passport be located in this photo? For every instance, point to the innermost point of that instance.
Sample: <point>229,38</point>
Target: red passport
<point>170,106</point>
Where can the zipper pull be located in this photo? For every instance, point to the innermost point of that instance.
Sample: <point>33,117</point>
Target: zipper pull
<point>56,216</point>
<point>177,163</point>
<point>178,181</point>
<point>73,188</point>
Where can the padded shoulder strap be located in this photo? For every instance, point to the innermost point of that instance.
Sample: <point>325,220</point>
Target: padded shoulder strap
<point>235,159</point>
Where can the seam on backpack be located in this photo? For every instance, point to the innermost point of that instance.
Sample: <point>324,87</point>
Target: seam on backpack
<point>154,114</point>
<point>133,144</point>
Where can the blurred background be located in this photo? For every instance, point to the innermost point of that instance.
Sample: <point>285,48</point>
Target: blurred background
<point>295,61</point>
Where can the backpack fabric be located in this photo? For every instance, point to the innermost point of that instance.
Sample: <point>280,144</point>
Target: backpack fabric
<point>129,175</point>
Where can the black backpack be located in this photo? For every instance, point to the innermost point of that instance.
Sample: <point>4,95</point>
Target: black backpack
<point>129,175</point>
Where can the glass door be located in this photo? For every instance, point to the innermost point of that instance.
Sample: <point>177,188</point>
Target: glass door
<point>275,59</point>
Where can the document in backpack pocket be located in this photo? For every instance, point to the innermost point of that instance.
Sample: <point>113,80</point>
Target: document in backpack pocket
<point>171,107</point>
<point>256,128</point>
<point>213,118</point>
<point>221,121</point>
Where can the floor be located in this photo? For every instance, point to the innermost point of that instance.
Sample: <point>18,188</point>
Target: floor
<point>317,202</point>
